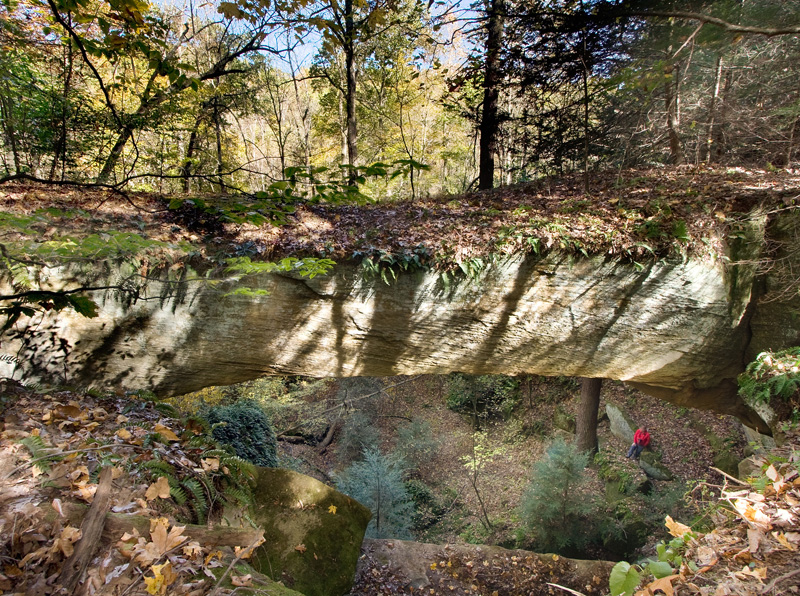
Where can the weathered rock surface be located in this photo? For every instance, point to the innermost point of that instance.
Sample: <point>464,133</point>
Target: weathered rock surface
<point>432,568</point>
<point>650,463</point>
<point>312,533</point>
<point>680,330</point>
<point>620,423</point>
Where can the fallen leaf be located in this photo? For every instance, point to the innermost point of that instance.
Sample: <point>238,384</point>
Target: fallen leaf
<point>159,489</point>
<point>754,537</point>
<point>166,433</point>
<point>664,584</point>
<point>210,464</point>
<point>124,434</point>
<point>242,581</point>
<point>163,576</point>
<point>56,504</point>
<point>301,548</point>
<point>332,509</point>
<point>781,537</point>
<point>676,529</point>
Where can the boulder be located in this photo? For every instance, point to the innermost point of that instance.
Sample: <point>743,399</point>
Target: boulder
<point>750,467</point>
<point>563,419</point>
<point>651,464</point>
<point>622,425</point>
<point>313,532</point>
<point>757,444</point>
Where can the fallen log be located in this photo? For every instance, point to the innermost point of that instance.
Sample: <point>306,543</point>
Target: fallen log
<point>117,524</point>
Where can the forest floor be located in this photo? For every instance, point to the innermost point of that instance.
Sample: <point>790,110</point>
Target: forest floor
<point>633,214</point>
<point>750,545</point>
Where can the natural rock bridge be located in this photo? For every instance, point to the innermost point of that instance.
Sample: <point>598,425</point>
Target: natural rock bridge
<point>681,330</point>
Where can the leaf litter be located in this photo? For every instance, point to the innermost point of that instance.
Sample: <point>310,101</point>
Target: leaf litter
<point>52,448</point>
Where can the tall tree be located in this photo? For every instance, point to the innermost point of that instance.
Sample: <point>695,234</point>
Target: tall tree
<point>586,420</point>
<point>490,121</point>
<point>352,28</point>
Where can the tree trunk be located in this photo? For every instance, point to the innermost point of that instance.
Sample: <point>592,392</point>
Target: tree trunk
<point>671,102</point>
<point>60,148</point>
<point>491,83</point>
<point>218,133</point>
<point>707,148</point>
<point>186,167</point>
<point>11,134</point>
<point>350,98</point>
<point>718,139</point>
<point>116,152</point>
<point>586,423</point>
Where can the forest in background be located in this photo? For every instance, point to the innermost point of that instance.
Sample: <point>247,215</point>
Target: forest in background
<point>401,98</point>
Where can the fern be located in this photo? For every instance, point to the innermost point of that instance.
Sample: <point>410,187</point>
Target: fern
<point>158,467</point>
<point>198,502</point>
<point>39,451</point>
<point>178,495</point>
<point>167,409</point>
<point>238,495</point>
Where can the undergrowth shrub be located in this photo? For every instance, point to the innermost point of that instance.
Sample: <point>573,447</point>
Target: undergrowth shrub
<point>358,433</point>
<point>428,509</point>
<point>557,508</point>
<point>245,427</point>
<point>483,396</point>
<point>416,443</point>
<point>376,481</point>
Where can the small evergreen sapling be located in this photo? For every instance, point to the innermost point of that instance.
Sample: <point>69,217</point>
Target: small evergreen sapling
<point>555,505</point>
<point>245,427</point>
<point>376,482</point>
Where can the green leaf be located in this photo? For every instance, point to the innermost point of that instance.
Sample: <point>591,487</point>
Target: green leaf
<point>83,305</point>
<point>660,569</point>
<point>624,579</point>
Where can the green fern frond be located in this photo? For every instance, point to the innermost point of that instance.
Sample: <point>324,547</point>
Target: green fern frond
<point>167,409</point>
<point>198,501</point>
<point>238,495</point>
<point>178,495</point>
<point>39,451</point>
<point>159,467</point>
<point>199,442</point>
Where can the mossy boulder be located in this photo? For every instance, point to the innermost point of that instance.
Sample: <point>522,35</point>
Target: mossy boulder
<point>651,464</point>
<point>313,532</point>
<point>563,419</point>
<point>260,584</point>
<point>727,461</point>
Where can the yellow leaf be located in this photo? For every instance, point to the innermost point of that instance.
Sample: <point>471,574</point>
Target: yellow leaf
<point>781,537</point>
<point>677,529</point>
<point>301,548</point>
<point>159,489</point>
<point>124,434</point>
<point>166,433</point>
<point>163,577</point>
<point>332,509</point>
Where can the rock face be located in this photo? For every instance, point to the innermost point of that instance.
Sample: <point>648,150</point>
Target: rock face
<point>680,330</point>
<point>312,533</point>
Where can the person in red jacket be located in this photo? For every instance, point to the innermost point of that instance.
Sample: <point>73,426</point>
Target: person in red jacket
<point>641,439</point>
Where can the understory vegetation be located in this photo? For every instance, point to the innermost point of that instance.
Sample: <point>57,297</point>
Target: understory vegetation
<point>410,452</point>
<point>506,474</point>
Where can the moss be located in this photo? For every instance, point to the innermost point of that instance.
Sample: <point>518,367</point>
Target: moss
<point>260,584</point>
<point>313,533</point>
